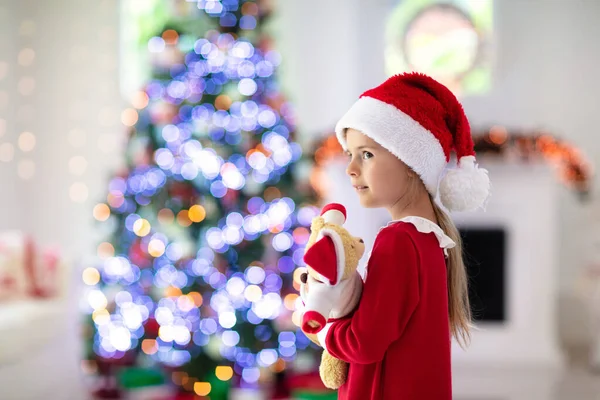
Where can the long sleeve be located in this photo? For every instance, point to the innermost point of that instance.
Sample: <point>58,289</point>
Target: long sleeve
<point>390,296</point>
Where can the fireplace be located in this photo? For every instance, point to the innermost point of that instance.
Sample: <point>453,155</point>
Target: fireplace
<point>512,259</point>
<point>484,253</point>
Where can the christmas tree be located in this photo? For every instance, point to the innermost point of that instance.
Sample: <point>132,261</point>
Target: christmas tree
<point>209,217</point>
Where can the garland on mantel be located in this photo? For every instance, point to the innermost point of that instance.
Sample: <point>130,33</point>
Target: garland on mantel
<point>573,169</point>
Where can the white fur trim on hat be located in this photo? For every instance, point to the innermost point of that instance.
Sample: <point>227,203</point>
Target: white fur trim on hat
<point>401,135</point>
<point>334,217</point>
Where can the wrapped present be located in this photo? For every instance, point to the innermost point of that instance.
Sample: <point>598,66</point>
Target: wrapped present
<point>26,270</point>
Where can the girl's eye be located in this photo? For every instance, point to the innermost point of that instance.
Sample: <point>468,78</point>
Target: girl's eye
<point>367,155</point>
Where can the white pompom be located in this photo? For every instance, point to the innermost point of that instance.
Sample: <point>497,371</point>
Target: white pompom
<point>466,187</point>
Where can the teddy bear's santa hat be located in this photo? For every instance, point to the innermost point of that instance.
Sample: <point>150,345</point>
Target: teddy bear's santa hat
<point>326,256</point>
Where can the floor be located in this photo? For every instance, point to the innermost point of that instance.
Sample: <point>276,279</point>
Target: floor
<point>576,383</point>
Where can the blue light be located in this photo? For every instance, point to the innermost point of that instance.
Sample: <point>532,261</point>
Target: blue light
<point>233,126</point>
<point>221,118</point>
<point>242,49</point>
<point>306,215</point>
<point>290,203</point>
<point>250,375</point>
<point>287,351</point>
<point>177,89</point>
<point>233,139</point>
<point>282,241</point>
<point>263,332</point>
<point>201,69</point>
<point>230,5</point>
<point>156,177</point>
<point>255,275</point>
<point>201,267</point>
<point>253,318</point>
<point>246,69</point>
<point>264,69</point>
<point>273,57</point>
<point>259,176</point>
<point>213,7</point>
<point>247,86</point>
<point>199,45</point>
<point>130,220</point>
<point>267,357</point>
<point>217,280</point>
<point>248,22</point>
<point>273,282</point>
<point>296,151</point>
<point>142,200</point>
<point>164,158</point>
<point>136,184</point>
<point>220,79</point>
<point>302,342</point>
<point>255,204</point>
<point>228,20</point>
<point>267,118</point>
<point>218,189</point>
<point>249,108</point>
<point>206,253</point>
<point>154,90</point>
<point>211,87</point>
<point>202,113</point>
<point>235,219</point>
<point>208,326</point>
<point>299,257</point>
<point>245,358</point>
<point>179,358</point>
<point>230,338</point>
<point>117,185</point>
<point>189,171</point>
<point>286,264</point>
<point>200,338</point>
<point>216,134</point>
<point>287,339</point>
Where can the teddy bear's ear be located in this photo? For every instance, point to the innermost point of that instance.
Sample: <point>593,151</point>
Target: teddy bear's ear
<point>321,257</point>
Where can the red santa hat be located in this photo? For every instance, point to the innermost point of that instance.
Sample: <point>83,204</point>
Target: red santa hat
<point>326,256</point>
<point>420,121</point>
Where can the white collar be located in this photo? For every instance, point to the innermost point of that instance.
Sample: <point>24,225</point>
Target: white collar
<point>424,225</point>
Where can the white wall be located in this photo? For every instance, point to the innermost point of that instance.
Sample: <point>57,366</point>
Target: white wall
<point>74,110</point>
<point>545,75</point>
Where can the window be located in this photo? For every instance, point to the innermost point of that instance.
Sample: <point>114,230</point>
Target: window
<point>449,41</point>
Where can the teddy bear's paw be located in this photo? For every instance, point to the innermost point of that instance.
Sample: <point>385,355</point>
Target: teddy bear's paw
<point>333,372</point>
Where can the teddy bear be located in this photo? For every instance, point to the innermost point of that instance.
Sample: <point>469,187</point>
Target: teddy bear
<point>331,286</point>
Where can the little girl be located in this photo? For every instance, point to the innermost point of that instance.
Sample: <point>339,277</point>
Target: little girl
<point>398,341</point>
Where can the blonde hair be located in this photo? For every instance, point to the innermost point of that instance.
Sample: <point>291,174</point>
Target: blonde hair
<point>459,309</point>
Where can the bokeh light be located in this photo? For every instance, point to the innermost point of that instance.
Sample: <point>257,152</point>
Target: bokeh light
<point>26,141</point>
<point>91,276</point>
<point>101,212</point>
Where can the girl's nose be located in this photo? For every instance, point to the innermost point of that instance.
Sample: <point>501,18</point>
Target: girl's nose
<point>352,170</point>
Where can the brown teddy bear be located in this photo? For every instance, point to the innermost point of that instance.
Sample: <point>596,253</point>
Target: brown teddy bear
<point>331,287</point>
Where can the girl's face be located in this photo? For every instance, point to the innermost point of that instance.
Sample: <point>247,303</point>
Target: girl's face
<point>378,176</point>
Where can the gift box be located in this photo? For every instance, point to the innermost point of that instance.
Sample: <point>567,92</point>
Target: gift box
<point>25,269</point>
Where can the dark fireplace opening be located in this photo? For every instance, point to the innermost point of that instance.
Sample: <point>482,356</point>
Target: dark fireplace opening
<point>484,253</point>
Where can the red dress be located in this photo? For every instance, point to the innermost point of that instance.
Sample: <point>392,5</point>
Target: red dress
<point>397,342</point>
